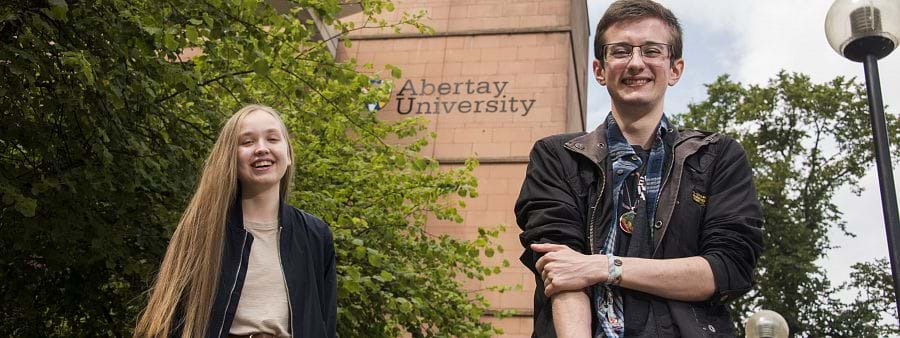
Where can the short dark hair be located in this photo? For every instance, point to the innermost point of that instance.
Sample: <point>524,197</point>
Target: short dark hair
<point>628,10</point>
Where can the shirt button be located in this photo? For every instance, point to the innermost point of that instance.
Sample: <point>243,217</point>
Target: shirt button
<point>634,157</point>
<point>620,171</point>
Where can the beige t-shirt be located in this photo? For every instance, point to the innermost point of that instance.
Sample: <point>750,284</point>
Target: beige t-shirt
<point>263,305</point>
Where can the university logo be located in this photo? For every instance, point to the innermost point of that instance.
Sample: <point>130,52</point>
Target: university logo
<point>375,106</point>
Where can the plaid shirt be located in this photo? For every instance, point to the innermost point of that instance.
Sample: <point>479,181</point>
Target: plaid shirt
<point>608,299</point>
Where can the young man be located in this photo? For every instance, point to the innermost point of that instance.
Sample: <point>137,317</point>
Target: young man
<point>638,229</point>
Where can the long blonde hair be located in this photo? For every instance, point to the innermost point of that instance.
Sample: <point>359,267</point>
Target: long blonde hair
<point>189,272</point>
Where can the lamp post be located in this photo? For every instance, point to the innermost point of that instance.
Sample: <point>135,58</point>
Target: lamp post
<point>865,31</point>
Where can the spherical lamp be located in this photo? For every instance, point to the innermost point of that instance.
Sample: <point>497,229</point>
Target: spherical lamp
<point>766,324</point>
<point>855,28</point>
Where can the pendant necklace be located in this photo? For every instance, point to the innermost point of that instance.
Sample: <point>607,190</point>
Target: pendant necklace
<point>626,221</point>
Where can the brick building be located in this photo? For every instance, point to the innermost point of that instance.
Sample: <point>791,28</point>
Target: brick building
<point>495,77</point>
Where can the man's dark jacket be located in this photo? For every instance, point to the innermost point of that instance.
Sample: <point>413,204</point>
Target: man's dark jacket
<point>306,248</point>
<point>707,207</point>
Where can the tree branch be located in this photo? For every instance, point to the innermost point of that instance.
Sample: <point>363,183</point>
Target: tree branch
<point>202,84</point>
<point>337,108</point>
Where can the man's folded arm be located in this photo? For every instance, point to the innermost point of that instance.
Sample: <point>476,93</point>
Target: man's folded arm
<point>546,209</point>
<point>572,314</point>
<point>547,212</point>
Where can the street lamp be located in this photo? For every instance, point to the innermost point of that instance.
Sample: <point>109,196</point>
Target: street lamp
<point>766,324</point>
<point>865,31</point>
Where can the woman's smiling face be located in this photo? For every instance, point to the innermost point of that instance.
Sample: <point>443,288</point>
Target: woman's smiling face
<point>263,154</point>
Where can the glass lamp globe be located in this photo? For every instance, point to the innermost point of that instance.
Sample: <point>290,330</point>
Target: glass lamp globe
<point>856,28</point>
<point>766,324</point>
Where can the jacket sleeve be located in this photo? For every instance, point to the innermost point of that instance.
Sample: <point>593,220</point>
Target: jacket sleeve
<point>330,286</point>
<point>731,238</point>
<point>547,209</point>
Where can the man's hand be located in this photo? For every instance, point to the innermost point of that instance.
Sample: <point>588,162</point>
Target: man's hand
<point>564,269</point>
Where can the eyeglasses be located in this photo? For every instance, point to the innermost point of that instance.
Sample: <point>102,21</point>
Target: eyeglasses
<point>651,52</point>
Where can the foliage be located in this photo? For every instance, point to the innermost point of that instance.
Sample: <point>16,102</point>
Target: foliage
<point>106,123</point>
<point>873,312</point>
<point>804,140</point>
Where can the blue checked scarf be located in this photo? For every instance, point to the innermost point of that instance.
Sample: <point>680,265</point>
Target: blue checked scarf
<point>608,299</point>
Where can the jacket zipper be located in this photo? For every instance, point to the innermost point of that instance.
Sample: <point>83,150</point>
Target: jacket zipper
<point>234,285</point>
<point>286,287</point>
<point>665,179</point>
<point>594,210</point>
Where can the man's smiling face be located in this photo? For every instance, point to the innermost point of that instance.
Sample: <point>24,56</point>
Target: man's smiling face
<point>638,83</point>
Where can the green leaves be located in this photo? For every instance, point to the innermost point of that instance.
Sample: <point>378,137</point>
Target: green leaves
<point>395,72</point>
<point>191,32</point>
<point>169,41</point>
<point>261,67</point>
<point>58,9</point>
<point>23,205</point>
<point>107,127</point>
<point>78,61</point>
<point>404,305</point>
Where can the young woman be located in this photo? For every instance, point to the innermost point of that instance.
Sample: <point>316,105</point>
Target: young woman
<point>241,262</point>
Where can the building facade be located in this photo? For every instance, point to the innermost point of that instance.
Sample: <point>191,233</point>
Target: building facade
<point>496,76</point>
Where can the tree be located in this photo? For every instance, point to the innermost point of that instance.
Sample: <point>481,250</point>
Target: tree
<point>106,125</point>
<point>873,312</point>
<point>804,140</point>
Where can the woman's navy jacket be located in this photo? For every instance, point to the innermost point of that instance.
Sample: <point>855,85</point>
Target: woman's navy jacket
<point>307,259</point>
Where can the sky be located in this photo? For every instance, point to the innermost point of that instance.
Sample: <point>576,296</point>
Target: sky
<point>752,41</point>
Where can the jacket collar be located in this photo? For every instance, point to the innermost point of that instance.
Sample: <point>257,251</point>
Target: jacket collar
<point>593,144</point>
<point>235,218</point>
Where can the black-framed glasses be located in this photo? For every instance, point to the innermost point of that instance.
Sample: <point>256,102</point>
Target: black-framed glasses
<point>621,52</point>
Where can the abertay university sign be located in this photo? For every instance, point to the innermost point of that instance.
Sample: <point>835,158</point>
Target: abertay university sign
<point>474,97</point>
